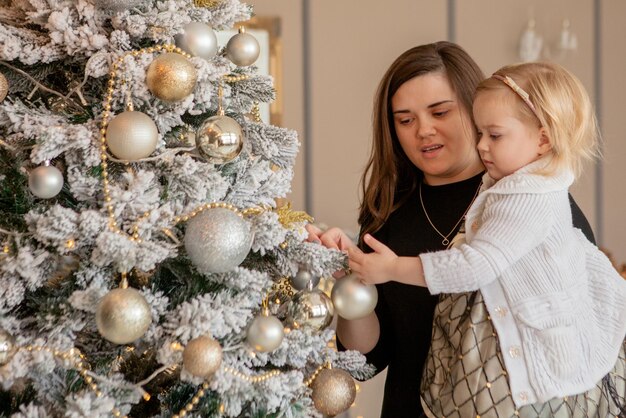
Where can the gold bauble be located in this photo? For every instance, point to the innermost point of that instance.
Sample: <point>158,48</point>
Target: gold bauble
<point>333,391</point>
<point>8,347</point>
<point>219,139</point>
<point>123,315</point>
<point>202,356</point>
<point>4,87</point>
<point>310,309</point>
<point>171,77</point>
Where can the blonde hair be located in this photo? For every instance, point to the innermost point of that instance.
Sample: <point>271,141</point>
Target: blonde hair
<point>562,108</point>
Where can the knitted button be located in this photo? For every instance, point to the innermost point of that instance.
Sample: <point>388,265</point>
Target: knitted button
<point>515,351</point>
<point>501,311</point>
<point>523,396</point>
<point>475,226</point>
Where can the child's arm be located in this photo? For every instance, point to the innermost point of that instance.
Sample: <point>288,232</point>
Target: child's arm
<point>384,265</point>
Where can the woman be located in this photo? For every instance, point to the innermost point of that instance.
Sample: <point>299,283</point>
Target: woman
<point>422,176</point>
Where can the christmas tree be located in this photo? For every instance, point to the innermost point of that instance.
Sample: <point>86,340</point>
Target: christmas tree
<point>146,268</point>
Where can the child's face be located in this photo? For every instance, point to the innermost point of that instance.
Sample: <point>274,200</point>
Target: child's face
<point>505,143</point>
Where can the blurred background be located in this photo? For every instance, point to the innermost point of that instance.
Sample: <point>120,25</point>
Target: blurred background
<point>327,57</point>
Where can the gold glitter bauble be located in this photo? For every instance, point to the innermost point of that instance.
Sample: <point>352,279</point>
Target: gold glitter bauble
<point>202,356</point>
<point>8,347</point>
<point>334,391</point>
<point>4,87</point>
<point>123,315</point>
<point>171,77</point>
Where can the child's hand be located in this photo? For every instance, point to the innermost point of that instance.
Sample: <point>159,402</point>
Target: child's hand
<point>373,268</point>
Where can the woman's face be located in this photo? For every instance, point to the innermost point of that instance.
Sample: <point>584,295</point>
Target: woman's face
<point>434,131</point>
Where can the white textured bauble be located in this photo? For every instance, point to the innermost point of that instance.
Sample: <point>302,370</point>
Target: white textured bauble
<point>354,299</point>
<point>217,240</point>
<point>118,5</point>
<point>171,77</point>
<point>132,135</point>
<point>123,315</point>
<point>265,333</point>
<point>310,309</point>
<point>198,39</point>
<point>4,87</point>
<point>8,347</point>
<point>219,139</point>
<point>202,356</point>
<point>334,391</point>
<point>303,279</point>
<point>45,181</point>
<point>243,49</point>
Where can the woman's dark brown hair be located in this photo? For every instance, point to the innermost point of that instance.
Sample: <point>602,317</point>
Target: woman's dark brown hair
<point>389,175</point>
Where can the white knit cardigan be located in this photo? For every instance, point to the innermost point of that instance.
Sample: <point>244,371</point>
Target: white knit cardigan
<point>555,300</point>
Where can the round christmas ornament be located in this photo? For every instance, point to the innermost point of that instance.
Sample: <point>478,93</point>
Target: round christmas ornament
<point>202,356</point>
<point>4,87</point>
<point>123,315</point>
<point>118,5</point>
<point>171,77</point>
<point>198,39</point>
<point>302,279</point>
<point>8,347</point>
<point>217,240</point>
<point>310,309</point>
<point>219,139</point>
<point>334,391</point>
<point>353,299</point>
<point>243,49</point>
<point>132,136</point>
<point>45,181</point>
<point>265,333</point>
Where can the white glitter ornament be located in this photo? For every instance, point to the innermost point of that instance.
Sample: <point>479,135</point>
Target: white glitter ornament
<point>217,240</point>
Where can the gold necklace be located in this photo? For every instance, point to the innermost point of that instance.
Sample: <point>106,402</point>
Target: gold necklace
<point>445,240</point>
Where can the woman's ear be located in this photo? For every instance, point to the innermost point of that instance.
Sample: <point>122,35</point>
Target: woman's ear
<point>544,145</point>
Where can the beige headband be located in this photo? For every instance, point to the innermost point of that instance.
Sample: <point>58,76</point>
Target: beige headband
<point>519,91</point>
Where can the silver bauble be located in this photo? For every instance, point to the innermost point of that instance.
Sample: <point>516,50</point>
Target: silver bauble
<point>310,309</point>
<point>334,391</point>
<point>217,240</point>
<point>198,39</point>
<point>132,135</point>
<point>243,49</point>
<point>202,356</point>
<point>4,87</point>
<point>171,77</point>
<point>219,139</point>
<point>265,333</point>
<point>8,347</point>
<point>118,5</point>
<point>45,181</point>
<point>123,315</point>
<point>353,299</point>
<point>303,279</point>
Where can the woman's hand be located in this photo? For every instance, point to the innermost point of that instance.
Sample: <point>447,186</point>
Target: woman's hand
<point>333,238</point>
<point>376,267</point>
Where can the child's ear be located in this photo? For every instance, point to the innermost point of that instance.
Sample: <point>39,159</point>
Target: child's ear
<point>544,141</point>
